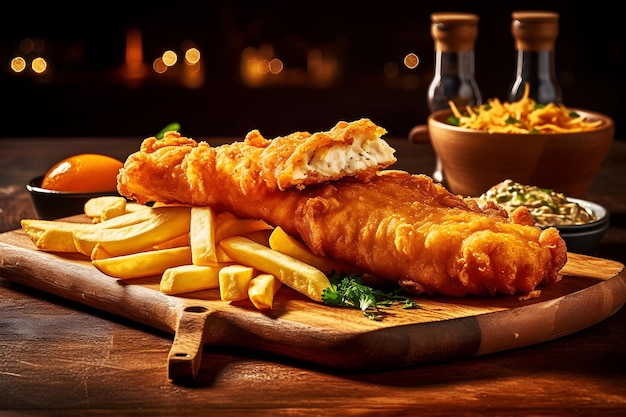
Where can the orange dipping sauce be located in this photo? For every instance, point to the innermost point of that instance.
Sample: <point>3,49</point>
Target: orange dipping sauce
<point>83,173</point>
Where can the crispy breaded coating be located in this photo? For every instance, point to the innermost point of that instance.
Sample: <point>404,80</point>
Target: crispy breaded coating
<point>299,159</point>
<point>408,228</point>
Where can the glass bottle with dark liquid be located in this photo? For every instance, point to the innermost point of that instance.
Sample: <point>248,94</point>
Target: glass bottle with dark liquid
<point>453,79</point>
<point>535,33</point>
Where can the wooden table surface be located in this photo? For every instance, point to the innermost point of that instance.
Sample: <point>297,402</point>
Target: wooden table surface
<point>62,358</point>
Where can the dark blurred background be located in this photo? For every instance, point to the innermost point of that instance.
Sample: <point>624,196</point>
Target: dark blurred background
<point>277,66</point>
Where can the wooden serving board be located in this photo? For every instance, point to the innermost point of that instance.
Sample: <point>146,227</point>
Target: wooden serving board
<point>442,329</point>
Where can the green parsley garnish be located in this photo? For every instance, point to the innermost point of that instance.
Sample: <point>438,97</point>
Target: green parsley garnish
<point>454,121</point>
<point>172,126</point>
<point>351,291</point>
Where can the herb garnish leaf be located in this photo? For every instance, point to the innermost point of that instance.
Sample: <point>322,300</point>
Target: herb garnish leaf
<point>454,121</point>
<point>351,291</point>
<point>172,126</point>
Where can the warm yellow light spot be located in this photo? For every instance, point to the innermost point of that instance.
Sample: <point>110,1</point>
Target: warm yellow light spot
<point>39,65</point>
<point>169,58</point>
<point>192,56</point>
<point>18,64</point>
<point>411,60</point>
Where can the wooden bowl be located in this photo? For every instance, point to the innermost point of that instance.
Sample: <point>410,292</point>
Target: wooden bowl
<point>475,160</point>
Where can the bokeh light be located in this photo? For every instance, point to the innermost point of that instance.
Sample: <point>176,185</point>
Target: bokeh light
<point>159,66</point>
<point>192,56</point>
<point>18,64</point>
<point>169,58</point>
<point>39,65</point>
<point>411,60</point>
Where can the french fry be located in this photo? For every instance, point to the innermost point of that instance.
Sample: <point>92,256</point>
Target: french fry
<point>282,242</point>
<point>262,289</point>
<point>53,236</point>
<point>164,223</point>
<point>127,219</point>
<point>234,281</point>
<point>189,278</point>
<point>182,240</point>
<point>144,264</point>
<point>99,252</point>
<point>292,272</point>
<point>221,255</point>
<point>132,207</point>
<point>192,248</point>
<point>116,208</point>
<point>135,213</point>
<point>94,207</point>
<point>227,224</point>
<point>202,236</point>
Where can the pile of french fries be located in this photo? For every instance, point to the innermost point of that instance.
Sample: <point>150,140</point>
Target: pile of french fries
<point>190,248</point>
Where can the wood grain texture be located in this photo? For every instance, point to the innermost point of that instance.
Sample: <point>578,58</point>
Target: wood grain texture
<point>441,329</point>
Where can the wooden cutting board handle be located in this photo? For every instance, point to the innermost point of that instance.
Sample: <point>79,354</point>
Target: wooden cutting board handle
<point>185,356</point>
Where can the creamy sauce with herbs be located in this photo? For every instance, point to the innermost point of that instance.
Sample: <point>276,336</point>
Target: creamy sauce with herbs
<point>547,207</point>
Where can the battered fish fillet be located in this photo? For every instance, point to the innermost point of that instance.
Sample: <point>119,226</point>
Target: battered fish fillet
<point>297,160</point>
<point>388,223</point>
